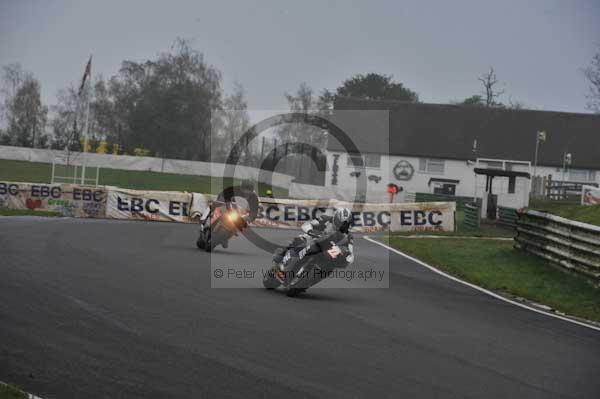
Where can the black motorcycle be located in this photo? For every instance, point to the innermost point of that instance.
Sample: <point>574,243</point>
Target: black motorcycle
<point>224,221</point>
<point>310,259</point>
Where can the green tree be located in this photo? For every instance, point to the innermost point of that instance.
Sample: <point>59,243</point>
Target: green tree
<point>371,86</point>
<point>166,105</point>
<point>473,101</point>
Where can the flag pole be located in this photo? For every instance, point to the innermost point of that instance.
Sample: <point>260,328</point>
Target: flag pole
<point>87,125</point>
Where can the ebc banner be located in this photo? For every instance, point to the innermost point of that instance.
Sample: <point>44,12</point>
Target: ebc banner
<point>164,206</point>
<point>67,199</point>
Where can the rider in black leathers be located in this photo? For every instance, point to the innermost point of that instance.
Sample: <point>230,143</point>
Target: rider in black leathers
<point>336,228</point>
<point>245,190</point>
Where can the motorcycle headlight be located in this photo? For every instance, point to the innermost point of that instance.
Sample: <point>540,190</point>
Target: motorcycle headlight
<point>233,216</point>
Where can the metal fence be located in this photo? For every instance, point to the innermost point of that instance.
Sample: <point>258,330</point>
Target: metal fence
<point>573,245</point>
<point>544,187</point>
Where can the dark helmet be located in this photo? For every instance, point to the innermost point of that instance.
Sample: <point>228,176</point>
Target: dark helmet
<point>342,219</point>
<point>247,185</point>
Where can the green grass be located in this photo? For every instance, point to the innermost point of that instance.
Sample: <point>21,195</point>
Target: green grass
<point>485,230</point>
<point>497,266</point>
<point>36,172</point>
<point>584,214</point>
<point>27,212</point>
<point>10,392</point>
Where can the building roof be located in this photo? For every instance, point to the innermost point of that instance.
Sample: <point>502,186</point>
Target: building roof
<point>448,131</point>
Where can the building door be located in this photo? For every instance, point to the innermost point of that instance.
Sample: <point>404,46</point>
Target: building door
<point>492,205</point>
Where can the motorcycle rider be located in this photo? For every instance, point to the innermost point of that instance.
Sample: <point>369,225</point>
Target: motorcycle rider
<point>245,190</point>
<point>336,228</point>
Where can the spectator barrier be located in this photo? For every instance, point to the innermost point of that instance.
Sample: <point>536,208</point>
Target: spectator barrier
<point>117,203</point>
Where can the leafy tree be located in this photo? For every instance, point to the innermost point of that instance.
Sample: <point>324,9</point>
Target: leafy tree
<point>592,73</point>
<point>371,86</point>
<point>4,138</point>
<point>103,115</point>
<point>166,105</point>
<point>473,101</point>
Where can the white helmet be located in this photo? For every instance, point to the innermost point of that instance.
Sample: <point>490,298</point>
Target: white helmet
<point>342,219</point>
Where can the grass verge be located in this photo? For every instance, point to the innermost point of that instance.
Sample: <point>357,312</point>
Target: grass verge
<point>27,212</point>
<point>497,266</point>
<point>584,214</point>
<point>37,172</point>
<point>10,392</point>
<point>485,230</point>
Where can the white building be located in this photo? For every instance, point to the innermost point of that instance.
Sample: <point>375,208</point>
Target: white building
<point>435,148</point>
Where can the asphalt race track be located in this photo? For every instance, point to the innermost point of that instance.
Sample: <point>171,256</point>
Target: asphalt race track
<point>108,309</point>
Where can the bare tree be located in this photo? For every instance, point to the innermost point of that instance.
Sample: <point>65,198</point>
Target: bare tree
<point>13,76</point>
<point>22,108</point>
<point>304,100</point>
<point>592,73</point>
<point>230,123</point>
<point>491,94</point>
<point>68,121</point>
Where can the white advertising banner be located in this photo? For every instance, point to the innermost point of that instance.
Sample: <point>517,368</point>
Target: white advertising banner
<point>420,216</point>
<point>590,195</point>
<point>66,199</point>
<point>164,206</point>
<point>183,207</point>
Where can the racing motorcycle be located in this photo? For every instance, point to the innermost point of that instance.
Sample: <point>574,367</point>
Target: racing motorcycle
<point>297,271</point>
<point>224,221</point>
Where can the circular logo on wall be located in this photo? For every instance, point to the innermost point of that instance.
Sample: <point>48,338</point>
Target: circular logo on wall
<point>404,170</point>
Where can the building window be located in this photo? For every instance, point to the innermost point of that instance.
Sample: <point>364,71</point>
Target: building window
<point>372,160</point>
<point>582,175</point>
<point>494,164</point>
<point>430,165</point>
<point>366,160</point>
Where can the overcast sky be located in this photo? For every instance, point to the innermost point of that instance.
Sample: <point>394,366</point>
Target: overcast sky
<point>436,48</point>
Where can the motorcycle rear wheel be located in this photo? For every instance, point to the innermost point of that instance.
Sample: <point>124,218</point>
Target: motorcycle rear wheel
<point>294,292</point>
<point>270,283</point>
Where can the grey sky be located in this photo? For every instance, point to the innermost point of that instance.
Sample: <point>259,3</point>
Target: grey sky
<point>438,49</point>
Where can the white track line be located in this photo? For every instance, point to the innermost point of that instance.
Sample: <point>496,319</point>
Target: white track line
<point>490,293</point>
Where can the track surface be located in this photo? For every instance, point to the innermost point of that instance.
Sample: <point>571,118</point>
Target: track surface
<point>107,309</point>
